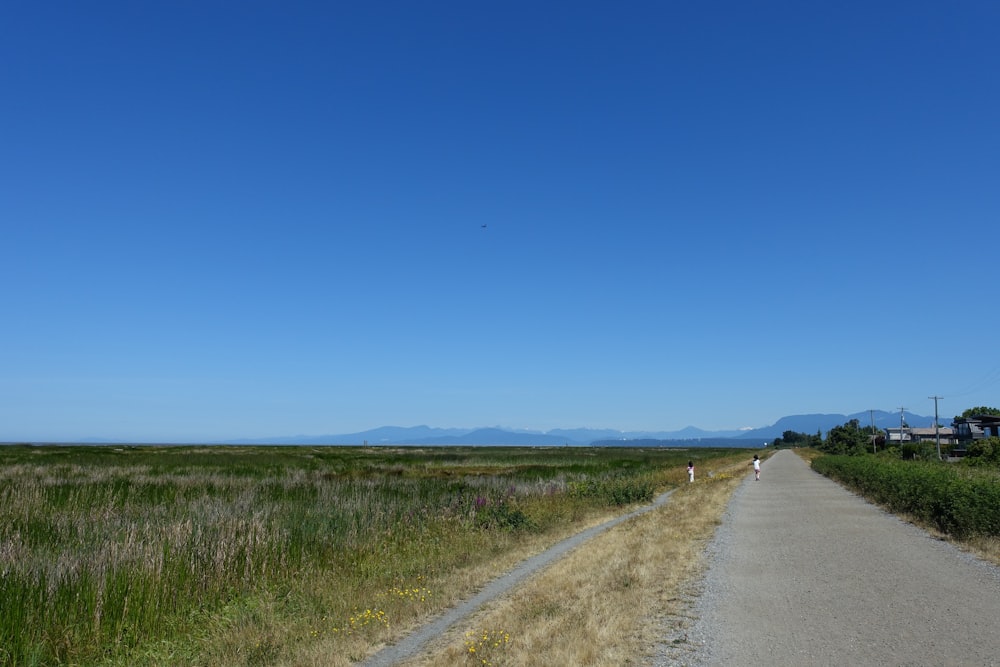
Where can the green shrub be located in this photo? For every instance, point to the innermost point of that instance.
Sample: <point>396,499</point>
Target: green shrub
<point>957,500</point>
<point>502,515</point>
<point>985,450</point>
<point>614,491</point>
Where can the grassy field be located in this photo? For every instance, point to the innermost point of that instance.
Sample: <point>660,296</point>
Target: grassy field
<point>278,555</point>
<point>616,601</point>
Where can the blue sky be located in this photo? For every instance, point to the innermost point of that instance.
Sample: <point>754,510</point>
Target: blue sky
<point>227,220</point>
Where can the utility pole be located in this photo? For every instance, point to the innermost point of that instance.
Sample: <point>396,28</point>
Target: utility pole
<point>871,413</point>
<point>901,429</point>
<point>937,432</point>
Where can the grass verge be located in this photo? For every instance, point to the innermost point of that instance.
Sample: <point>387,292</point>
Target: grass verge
<point>609,601</point>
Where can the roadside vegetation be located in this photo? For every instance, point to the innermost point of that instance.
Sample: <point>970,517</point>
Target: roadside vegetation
<point>959,499</point>
<point>279,555</point>
<point>612,600</point>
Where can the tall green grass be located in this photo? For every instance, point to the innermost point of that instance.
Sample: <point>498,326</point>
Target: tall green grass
<point>106,550</point>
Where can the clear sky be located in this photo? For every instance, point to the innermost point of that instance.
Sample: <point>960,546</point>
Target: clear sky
<point>252,219</point>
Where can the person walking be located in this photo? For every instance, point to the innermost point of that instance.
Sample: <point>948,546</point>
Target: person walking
<point>690,471</point>
<point>756,467</point>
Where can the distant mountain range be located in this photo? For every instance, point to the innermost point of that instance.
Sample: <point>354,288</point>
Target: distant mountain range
<point>690,436</point>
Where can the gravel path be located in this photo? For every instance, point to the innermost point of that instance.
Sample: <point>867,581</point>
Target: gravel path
<point>802,572</point>
<point>410,645</point>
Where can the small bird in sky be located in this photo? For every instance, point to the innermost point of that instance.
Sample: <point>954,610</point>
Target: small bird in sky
<point>483,226</point>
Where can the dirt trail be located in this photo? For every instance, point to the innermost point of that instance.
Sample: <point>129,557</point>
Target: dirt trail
<point>802,572</point>
<point>410,645</point>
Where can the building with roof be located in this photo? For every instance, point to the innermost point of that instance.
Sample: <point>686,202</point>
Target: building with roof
<point>972,428</point>
<point>906,435</point>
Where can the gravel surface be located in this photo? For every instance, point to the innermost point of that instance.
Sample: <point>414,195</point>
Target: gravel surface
<point>803,572</point>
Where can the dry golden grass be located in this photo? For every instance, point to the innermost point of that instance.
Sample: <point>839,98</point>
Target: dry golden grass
<point>987,548</point>
<point>340,651</point>
<point>610,601</point>
<point>808,454</point>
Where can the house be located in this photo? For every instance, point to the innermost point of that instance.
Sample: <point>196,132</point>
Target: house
<point>907,435</point>
<point>979,426</point>
<point>897,436</point>
<point>972,428</point>
<point>946,434</point>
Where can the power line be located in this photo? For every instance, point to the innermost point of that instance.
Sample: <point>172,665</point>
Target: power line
<point>991,378</point>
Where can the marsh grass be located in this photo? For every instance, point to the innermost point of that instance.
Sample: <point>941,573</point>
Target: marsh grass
<point>264,555</point>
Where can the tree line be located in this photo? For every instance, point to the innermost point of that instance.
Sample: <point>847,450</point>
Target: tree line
<point>853,439</point>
